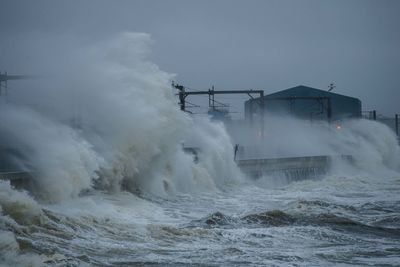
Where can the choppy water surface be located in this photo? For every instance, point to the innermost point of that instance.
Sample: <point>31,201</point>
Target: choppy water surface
<point>336,220</point>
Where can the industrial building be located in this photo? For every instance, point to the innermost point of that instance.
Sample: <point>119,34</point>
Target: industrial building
<point>306,103</point>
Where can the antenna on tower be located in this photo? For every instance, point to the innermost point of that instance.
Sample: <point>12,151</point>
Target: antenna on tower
<point>331,86</point>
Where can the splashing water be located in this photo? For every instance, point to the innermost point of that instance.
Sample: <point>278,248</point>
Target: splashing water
<point>120,190</point>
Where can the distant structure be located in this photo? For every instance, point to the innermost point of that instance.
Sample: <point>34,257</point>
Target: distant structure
<point>331,86</point>
<point>4,78</point>
<point>220,111</point>
<point>306,103</point>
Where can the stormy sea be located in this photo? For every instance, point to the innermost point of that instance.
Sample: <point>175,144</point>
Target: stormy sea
<point>114,186</point>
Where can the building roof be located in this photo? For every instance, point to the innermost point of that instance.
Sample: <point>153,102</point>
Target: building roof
<point>302,90</point>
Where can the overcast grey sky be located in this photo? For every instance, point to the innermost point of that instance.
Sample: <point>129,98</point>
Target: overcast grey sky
<point>270,45</point>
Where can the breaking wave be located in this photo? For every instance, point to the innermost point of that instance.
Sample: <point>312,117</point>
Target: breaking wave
<point>104,120</point>
<point>279,218</point>
<point>121,130</point>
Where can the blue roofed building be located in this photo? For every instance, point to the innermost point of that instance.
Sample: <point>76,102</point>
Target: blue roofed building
<point>306,103</point>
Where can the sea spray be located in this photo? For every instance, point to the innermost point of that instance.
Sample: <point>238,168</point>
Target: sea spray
<point>105,119</point>
<point>374,144</point>
<point>127,132</point>
<point>371,144</point>
<point>62,162</point>
<point>18,205</point>
<point>217,153</point>
<point>17,210</point>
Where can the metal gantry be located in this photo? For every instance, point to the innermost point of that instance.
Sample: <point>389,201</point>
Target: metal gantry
<point>183,94</point>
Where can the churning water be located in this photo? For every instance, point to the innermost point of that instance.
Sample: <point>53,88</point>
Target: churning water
<point>120,191</point>
<point>338,220</point>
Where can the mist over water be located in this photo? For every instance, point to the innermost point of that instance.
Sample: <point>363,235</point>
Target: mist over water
<point>369,142</point>
<point>113,185</point>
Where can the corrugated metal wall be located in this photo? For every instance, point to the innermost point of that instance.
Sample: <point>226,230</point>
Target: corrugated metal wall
<point>311,104</point>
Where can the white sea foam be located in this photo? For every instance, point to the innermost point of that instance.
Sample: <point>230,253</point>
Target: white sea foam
<point>10,253</point>
<point>130,132</point>
<point>16,210</point>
